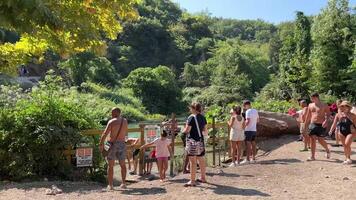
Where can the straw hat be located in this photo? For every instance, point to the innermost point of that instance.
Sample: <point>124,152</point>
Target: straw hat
<point>346,103</point>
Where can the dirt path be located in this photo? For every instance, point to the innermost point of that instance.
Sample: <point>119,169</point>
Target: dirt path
<point>281,173</point>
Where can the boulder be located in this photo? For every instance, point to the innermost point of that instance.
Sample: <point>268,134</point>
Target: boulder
<point>275,124</point>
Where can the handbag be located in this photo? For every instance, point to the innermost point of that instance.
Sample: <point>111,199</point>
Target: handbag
<point>108,145</point>
<point>193,147</point>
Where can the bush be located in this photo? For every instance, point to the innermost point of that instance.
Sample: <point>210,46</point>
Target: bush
<point>36,130</point>
<point>87,67</point>
<point>275,105</point>
<point>103,99</point>
<point>157,88</point>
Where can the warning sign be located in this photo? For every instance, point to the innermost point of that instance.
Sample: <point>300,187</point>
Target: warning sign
<point>84,157</point>
<point>152,132</point>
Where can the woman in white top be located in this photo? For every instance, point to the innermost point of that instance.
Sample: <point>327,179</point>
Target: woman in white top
<point>237,136</point>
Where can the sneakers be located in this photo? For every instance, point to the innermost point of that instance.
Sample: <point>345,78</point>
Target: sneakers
<point>232,165</point>
<point>347,162</point>
<point>253,162</point>
<point>310,159</point>
<point>245,162</point>
<point>327,155</point>
<point>109,188</point>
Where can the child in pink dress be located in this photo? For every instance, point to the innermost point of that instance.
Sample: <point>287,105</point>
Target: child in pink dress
<point>162,153</point>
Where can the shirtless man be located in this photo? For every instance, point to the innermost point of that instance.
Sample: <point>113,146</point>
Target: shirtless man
<point>317,120</point>
<point>301,119</point>
<point>117,127</point>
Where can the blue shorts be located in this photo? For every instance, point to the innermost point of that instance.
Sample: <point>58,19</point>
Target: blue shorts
<point>250,136</point>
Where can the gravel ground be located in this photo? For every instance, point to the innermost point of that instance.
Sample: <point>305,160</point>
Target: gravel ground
<point>281,173</point>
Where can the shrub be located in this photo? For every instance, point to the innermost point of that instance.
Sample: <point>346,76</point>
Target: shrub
<point>275,105</point>
<point>37,129</point>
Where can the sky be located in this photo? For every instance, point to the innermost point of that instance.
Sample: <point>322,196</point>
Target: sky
<point>274,11</point>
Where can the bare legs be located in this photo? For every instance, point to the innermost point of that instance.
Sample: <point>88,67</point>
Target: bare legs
<point>193,168</point>
<point>239,148</point>
<point>162,168</point>
<point>202,165</point>
<point>123,172</point>
<point>346,142</point>
<point>251,150</point>
<point>186,163</point>
<point>306,140</point>
<point>110,172</point>
<point>322,142</point>
<point>233,151</point>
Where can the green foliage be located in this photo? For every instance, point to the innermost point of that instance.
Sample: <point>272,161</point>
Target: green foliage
<point>65,27</point>
<point>35,130</point>
<point>103,99</point>
<point>234,72</point>
<point>156,87</point>
<point>334,42</point>
<point>243,29</point>
<point>275,105</point>
<point>87,67</point>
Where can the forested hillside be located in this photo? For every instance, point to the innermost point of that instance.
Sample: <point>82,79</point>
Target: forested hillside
<point>168,57</point>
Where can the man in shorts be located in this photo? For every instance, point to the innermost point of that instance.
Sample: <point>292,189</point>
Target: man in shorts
<point>117,128</point>
<point>250,125</point>
<point>317,117</point>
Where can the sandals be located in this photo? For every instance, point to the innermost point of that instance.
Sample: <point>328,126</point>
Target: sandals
<point>303,150</point>
<point>201,181</point>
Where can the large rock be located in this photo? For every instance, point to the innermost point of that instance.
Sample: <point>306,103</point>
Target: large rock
<point>276,124</point>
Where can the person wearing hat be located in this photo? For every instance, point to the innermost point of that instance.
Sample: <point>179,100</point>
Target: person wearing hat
<point>345,121</point>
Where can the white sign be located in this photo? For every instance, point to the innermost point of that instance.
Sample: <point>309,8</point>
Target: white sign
<point>84,157</point>
<point>152,132</point>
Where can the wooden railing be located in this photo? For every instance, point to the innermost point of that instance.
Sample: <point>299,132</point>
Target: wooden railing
<point>141,130</point>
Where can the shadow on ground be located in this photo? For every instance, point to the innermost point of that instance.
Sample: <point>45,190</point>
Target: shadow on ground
<point>279,161</point>
<point>144,191</point>
<point>229,190</point>
<point>225,189</point>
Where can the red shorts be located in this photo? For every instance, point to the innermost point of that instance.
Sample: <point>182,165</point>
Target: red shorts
<point>153,154</point>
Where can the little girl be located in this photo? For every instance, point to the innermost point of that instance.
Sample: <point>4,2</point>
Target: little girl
<point>237,136</point>
<point>162,153</point>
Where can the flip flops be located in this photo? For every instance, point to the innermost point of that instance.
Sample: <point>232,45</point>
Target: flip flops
<point>201,181</point>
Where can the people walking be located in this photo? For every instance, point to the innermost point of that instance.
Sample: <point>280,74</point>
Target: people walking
<point>317,120</point>
<point>345,122</point>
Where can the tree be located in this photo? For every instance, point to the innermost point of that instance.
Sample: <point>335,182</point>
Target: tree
<point>65,27</point>
<point>88,67</point>
<point>156,87</point>
<point>333,48</point>
<point>300,69</point>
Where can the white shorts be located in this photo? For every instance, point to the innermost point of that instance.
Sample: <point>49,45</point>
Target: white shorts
<point>237,135</point>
